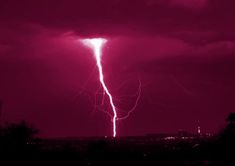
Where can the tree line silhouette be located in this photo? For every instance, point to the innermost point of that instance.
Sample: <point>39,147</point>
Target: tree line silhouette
<point>20,139</point>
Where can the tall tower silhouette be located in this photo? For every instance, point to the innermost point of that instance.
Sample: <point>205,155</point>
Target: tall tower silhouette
<point>198,130</point>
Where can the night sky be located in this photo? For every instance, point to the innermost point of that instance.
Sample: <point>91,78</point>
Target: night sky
<point>182,51</point>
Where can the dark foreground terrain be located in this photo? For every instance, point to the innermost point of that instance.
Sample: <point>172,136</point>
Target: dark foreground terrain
<point>19,146</point>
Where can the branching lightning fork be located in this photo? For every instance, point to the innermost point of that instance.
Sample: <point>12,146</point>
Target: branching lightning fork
<point>96,45</point>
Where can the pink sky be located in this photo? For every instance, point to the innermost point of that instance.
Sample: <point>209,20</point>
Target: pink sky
<point>182,51</point>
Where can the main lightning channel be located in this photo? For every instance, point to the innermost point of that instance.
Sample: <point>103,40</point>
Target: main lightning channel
<point>96,45</point>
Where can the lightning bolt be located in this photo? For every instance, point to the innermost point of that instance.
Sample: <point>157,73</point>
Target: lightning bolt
<point>96,45</point>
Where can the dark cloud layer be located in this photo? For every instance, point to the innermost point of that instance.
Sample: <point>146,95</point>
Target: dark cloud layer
<point>181,50</point>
